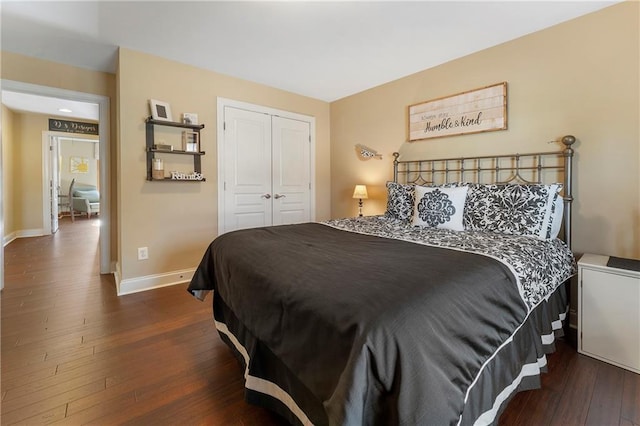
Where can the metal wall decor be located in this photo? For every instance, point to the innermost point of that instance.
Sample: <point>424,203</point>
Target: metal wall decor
<point>366,153</point>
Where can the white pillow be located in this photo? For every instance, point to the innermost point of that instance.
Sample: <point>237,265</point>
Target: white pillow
<point>556,217</point>
<point>438,207</point>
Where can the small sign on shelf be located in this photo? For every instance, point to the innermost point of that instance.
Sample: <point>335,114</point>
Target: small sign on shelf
<point>186,176</point>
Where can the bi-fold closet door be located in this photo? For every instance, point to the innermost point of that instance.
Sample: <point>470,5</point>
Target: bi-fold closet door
<point>267,170</point>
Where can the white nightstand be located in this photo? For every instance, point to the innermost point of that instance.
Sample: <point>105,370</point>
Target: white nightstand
<point>609,312</point>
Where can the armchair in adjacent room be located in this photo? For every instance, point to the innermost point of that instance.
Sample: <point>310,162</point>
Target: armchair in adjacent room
<point>84,199</point>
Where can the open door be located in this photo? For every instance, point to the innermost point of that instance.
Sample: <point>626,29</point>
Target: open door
<point>54,181</point>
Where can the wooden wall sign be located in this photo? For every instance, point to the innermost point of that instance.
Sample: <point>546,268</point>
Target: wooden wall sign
<point>73,127</point>
<point>474,111</point>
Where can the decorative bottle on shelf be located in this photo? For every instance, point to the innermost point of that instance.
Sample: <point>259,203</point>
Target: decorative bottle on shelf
<point>158,169</point>
<point>190,141</point>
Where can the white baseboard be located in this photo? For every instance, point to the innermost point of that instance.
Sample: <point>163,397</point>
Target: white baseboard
<point>135,285</point>
<point>117,274</point>
<point>24,233</point>
<point>9,238</point>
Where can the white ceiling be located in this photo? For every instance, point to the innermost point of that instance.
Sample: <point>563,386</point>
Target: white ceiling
<point>325,50</point>
<point>50,106</point>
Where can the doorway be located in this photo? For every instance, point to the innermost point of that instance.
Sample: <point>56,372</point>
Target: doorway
<point>103,150</point>
<point>66,159</point>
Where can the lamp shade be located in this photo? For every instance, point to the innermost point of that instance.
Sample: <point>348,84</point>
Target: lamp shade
<point>360,192</point>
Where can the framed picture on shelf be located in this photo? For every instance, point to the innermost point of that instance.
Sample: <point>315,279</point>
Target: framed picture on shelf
<point>190,118</point>
<point>160,110</point>
<point>190,141</point>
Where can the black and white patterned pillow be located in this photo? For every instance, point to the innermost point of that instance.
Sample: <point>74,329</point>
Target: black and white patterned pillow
<point>511,209</point>
<point>440,207</point>
<point>400,199</point>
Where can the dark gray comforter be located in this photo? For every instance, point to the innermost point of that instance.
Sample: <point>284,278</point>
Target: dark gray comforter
<point>359,329</point>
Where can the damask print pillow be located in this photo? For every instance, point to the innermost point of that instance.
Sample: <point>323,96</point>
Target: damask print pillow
<point>440,207</point>
<point>511,209</point>
<point>400,199</point>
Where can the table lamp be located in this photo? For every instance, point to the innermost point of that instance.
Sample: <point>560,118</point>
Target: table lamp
<point>360,192</point>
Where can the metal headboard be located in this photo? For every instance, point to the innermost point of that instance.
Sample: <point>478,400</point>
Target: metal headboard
<point>538,167</point>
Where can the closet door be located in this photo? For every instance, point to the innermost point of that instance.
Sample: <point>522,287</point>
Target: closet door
<point>247,169</point>
<point>291,178</point>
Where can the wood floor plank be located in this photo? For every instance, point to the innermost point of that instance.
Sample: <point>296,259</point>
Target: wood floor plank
<point>630,409</point>
<point>606,400</point>
<point>573,406</point>
<point>22,377</point>
<point>74,353</point>
<point>19,410</point>
<point>47,417</point>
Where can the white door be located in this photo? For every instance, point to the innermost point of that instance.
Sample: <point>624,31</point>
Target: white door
<point>247,169</point>
<point>54,181</point>
<point>291,171</point>
<point>266,170</point>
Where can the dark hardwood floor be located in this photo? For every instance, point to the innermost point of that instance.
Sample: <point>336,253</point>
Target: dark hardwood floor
<point>75,353</point>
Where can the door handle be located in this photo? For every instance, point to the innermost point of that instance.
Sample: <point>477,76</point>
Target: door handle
<point>267,196</point>
<point>279,196</point>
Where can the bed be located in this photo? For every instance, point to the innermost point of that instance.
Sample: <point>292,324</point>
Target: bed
<point>436,312</point>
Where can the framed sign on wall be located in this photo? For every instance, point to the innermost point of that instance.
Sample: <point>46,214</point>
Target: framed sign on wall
<point>73,126</point>
<point>474,111</point>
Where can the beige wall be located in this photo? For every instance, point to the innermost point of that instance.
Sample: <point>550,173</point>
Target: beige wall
<point>580,77</point>
<point>27,172</point>
<point>31,70</point>
<point>9,134</point>
<point>177,221</point>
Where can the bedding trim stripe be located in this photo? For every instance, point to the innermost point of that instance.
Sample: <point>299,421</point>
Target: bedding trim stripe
<point>261,385</point>
<point>533,369</point>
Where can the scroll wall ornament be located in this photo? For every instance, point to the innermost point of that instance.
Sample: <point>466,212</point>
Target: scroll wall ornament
<point>366,153</point>
<point>474,111</point>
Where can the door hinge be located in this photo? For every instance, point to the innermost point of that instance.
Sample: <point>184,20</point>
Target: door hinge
<point>50,147</point>
<point>224,186</point>
<point>224,125</point>
<point>309,185</point>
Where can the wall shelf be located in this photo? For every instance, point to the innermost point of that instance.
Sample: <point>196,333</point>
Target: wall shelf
<point>175,124</point>
<point>152,152</point>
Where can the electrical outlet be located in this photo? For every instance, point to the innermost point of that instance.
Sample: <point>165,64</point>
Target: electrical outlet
<point>143,253</point>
